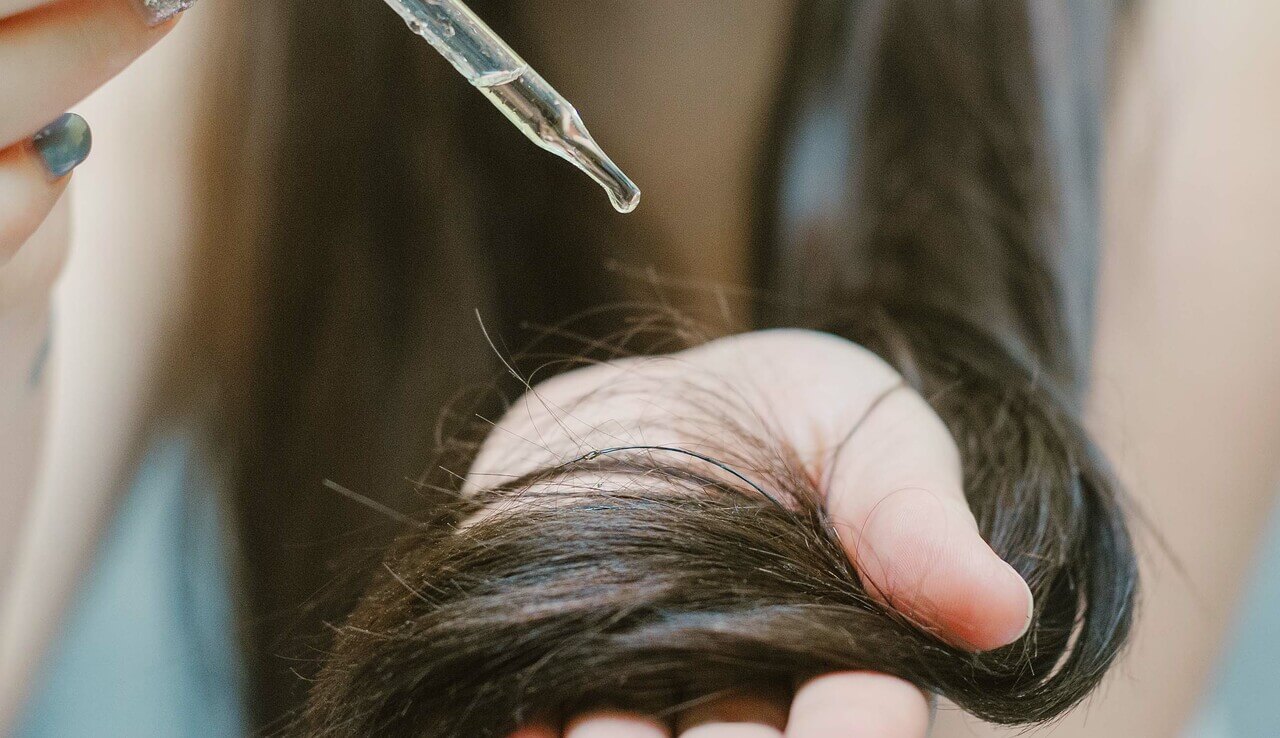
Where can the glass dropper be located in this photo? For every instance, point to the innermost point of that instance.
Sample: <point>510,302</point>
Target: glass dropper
<point>516,89</point>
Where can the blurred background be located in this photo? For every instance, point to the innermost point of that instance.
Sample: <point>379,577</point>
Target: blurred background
<point>1191,169</point>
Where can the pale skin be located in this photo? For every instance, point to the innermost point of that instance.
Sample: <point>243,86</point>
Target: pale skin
<point>893,489</point>
<point>1167,301</point>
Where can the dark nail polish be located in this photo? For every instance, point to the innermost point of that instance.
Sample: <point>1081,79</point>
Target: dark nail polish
<point>63,144</point>
<point>159,11</point>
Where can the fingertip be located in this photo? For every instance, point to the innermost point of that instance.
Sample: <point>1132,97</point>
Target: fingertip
<point>859,704</point>
<point>163,14</point>
<point>922,554</point>
<point>29,191</point>
<point>63,144</point>
<point>615,724</point>
<point>1028,602</point>
<point>732,730</point>
<point>988,610</point>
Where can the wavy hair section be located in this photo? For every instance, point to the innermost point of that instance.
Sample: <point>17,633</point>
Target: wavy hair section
<point>686,573</point>
<point>695,571</point>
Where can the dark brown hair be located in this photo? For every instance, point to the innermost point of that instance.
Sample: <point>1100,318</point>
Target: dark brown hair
<point>943,243</point>
<point>347,255</point>
<point>675,582</point>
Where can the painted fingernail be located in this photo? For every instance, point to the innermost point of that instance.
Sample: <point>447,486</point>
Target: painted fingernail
<point>159,11</point>
<point>63,144</point>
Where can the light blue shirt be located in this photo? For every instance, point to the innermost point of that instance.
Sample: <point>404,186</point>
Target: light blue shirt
<point>149,647</point>
<point>1246,703</point>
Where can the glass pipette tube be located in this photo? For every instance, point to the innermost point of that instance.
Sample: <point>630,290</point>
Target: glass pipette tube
<point>517,90</point>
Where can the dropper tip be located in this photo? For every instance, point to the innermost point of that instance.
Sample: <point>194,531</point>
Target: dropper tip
<point>573,141</point>
<point>627,202</point>
<point>553,124</point>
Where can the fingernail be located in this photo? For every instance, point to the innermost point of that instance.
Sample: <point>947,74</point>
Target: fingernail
<point>63,144</point>
<point>1031,604</point>
<point>159,11</point>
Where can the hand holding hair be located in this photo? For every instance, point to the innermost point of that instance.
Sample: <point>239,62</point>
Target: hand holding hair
<point>887,468</point>
<point>767,518</point>
<point>784,516</point>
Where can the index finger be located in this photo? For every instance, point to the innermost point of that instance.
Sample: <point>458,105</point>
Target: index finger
<point>155,11</point>
<point>54,55</point>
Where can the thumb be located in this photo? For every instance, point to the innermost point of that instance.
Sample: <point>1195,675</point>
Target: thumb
<point>897,500</point>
